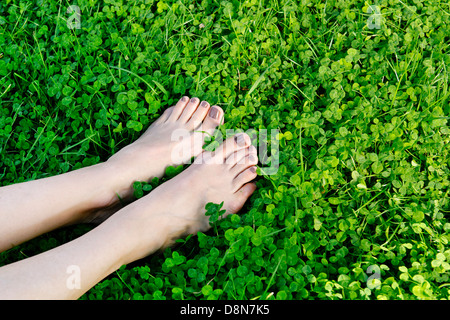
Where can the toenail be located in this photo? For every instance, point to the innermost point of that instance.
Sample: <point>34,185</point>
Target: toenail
<point>194,100</point>
<point>204,104</point>
<point>253,169</point>
<point>214,113</point>
<point>184,99</point>
<point>252,158</point>
<point>240,140</point>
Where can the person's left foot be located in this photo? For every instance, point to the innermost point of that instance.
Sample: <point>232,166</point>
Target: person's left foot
<point>176,208</point>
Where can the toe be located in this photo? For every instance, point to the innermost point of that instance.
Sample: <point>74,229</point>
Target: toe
<point>178,109</point>
<point>247,190</point>
<point>204,157</point>
<point>236,157</point>
<point>244,177</point>
<point>213,119</point>
<point>198,116</point>
<point>240,156</point>
<point>206,129</point>
<point>249,160</point>
<point>189,110</point>
<point>242,194</point>
<point>166,114</point>
<point>231,145</point>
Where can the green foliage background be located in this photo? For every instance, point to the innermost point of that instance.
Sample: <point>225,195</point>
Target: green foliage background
<point>362,189</point>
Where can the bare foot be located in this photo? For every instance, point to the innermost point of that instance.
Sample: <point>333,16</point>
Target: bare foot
<point>177,207</point>
<point>173,139</point>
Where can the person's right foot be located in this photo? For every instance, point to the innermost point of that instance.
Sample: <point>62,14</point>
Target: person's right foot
<point>178,205</point>
<point>173,139</point>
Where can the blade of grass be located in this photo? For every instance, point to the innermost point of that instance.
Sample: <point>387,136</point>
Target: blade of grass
<point>255,85</point>
<point>271,278</point>
<point>134,74</point>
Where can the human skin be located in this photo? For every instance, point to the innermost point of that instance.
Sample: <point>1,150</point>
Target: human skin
<point>82,195</point>
<point>173,210</point>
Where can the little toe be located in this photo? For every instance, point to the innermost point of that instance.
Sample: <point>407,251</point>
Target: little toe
<point>178,109</point>
<point>166,114</point>
<point>247,190</point>
<point>242,194</point>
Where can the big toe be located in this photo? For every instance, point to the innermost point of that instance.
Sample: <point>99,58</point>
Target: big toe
<point>232,145</point>
<point>212,120</point>
<point>206,129</point>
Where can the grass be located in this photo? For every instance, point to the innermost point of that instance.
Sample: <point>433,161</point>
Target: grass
<point>363,135</point>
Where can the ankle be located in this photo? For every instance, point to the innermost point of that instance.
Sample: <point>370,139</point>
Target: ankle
<point>142,229</point>
<point>118,183</point>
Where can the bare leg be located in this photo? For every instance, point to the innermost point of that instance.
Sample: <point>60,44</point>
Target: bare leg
<point>32,208</point>
<point>174,209</point>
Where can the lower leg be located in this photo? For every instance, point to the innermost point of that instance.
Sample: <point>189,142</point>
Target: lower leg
<point>172,210</point>
<point>92,193</point>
